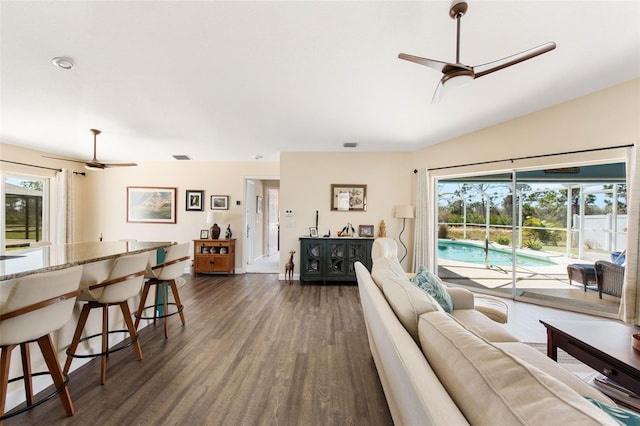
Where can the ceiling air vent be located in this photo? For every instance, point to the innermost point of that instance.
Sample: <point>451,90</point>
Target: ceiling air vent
<point>181,157</point>
<point>350,144</point>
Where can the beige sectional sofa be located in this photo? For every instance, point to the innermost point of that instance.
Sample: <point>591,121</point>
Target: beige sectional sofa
<point>461,368</point>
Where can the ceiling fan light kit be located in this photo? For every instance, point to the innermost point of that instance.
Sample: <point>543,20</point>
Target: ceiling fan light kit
<point>458,74</point>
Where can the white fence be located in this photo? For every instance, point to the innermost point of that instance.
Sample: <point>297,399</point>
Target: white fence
<point>602,232</point>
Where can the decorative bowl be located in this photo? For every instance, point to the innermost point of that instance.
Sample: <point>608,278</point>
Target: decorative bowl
<point>635,341</point>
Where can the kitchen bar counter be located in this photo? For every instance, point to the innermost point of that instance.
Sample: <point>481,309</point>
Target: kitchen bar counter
<point>19,263</point>
<point>96,259</point>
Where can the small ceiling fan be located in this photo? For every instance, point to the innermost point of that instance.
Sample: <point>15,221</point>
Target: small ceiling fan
<point>458,74</point>
<point>94,164</point>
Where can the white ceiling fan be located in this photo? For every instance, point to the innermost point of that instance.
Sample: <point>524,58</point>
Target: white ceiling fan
<point>458,74</point>
<point>94,164</point>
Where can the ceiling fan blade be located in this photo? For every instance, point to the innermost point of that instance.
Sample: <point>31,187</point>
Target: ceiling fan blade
<point>119,165</point>
<point>490,67</point>
<point>438,94</point>
<point>65,159</point>
<point>431,63</point>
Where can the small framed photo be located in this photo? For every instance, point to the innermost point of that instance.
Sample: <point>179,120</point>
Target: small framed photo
<point>219,202</point>
<point>194,200</point>
<point>204,234</point>
<point>348,197</point>
<point>313,231</point>
<point>365,230</point>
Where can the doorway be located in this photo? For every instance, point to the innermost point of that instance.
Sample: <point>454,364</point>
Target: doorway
<point>262,227</point>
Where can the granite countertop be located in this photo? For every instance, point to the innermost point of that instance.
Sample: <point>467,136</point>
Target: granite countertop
<point>19,263</point>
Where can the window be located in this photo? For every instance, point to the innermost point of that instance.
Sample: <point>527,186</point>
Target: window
<point>25,218</point>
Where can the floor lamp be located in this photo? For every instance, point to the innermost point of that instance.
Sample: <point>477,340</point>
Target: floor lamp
<point>404,212</point>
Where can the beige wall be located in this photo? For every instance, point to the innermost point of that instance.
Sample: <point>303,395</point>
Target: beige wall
<point>305,182</point>
<point>610,117</point>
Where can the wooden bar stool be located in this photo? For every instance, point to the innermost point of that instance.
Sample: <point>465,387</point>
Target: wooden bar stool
<point>36,306</point>
<point>163,275</point>
<point>123,283</point>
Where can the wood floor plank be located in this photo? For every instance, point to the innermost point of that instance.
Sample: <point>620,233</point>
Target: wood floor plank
<point>254,351</point>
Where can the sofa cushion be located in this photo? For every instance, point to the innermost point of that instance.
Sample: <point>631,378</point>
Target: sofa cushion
<point>539,360</point>
<point>383,266</point>
<point>483,326</point>
<point>432,285</point>
<point>491,387</point>
<point>408,302</point>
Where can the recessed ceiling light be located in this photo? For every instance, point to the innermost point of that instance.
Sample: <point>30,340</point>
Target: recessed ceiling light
<point>63,62</point>
<point>181,157</point>
<point>350,145</point>
<point>258,157</point>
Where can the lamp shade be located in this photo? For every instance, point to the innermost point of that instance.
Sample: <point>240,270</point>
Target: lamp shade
<point>210,218</point>
<point>404,212</point>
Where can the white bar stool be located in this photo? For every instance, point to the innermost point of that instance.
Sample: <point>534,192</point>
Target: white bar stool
<point>123,283</point>
<point>163,274</point>
<point>36,306</point>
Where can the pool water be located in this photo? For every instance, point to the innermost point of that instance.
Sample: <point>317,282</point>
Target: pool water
<point>472,253</point>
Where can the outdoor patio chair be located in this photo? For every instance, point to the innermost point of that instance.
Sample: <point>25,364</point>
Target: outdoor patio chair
<point>609,278</point>
<point>585,273</point>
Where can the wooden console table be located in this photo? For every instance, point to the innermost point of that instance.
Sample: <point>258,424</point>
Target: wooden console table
<point>603,345</point>
<point>214,256</point>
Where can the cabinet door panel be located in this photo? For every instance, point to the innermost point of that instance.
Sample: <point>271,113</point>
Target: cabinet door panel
<point>336,261</point>
<point>311,258</point>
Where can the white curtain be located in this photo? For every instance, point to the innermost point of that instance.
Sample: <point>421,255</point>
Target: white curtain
<point>62,207</point>
<point>630,302</point>
<point>423,241</point>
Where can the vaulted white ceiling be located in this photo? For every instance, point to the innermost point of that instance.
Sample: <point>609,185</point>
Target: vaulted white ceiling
<point>226,80</point>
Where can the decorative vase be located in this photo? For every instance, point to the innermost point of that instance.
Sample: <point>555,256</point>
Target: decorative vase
<point>215,231</point>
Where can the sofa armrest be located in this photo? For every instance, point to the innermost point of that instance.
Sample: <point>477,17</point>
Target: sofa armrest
<point>461,297</point>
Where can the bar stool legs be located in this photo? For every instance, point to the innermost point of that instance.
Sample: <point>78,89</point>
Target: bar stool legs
<point>77,337</point>
<point>59,380</point>
<point>161,292</point>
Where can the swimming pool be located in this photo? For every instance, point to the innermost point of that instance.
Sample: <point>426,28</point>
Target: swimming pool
<point>474,253</point>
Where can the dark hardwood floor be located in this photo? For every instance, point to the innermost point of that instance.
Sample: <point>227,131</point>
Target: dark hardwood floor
<point>254,351</point>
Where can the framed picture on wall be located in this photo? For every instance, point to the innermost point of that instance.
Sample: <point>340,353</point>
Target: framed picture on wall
<point>348,197</point>
<point>194,201</point>
<point>147,204</point>
<point>219,202</point>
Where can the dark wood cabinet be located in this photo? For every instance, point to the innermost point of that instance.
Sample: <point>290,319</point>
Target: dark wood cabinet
<point>214,256</point>
<point>332,259</point>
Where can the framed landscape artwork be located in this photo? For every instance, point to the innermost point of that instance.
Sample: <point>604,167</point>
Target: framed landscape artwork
<point>348,197</point>
<point>147,204</point>
<point>194,201</point>
<point>219,202</point>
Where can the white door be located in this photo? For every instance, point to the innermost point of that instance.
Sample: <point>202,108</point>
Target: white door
<point>273,221</point>
<point>250,212</point>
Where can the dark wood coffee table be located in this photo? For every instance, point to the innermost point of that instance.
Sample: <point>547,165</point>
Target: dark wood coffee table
<point>603,345</point>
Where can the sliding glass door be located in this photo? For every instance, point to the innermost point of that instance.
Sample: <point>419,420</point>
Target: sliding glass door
<point>519,234</point>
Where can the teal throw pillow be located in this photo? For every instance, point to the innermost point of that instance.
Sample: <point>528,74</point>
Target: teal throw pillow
<point>432,285</point>
<point>619,414</point>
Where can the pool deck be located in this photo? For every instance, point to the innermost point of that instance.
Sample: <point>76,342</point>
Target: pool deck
<point>547,285</point>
